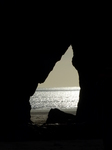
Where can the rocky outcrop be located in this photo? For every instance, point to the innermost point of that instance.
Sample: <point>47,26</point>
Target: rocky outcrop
<point>57,116</point>
<point>30,49</point>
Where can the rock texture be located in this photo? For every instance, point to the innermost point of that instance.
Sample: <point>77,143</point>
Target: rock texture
<point>33,41</point>
<point>57,116</point>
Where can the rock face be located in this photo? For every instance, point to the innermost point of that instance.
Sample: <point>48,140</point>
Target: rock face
<point>30,49</point>
<point>58,116</point>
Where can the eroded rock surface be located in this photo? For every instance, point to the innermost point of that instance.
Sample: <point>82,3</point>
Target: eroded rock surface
<point>31,44</point>
<point>60,117</point>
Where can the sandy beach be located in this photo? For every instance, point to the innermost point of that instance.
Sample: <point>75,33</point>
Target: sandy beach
<point>68,143</point>
<point>39,117</point>
<point>54,137</point>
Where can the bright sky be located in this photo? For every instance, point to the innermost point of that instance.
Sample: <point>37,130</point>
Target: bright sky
<point>63,73</point>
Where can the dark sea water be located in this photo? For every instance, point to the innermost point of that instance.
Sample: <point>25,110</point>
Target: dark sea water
<point>61,98</point>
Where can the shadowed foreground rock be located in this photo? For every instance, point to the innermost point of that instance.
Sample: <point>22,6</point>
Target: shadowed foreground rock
<point>32,42</point>
<point>57,116</point>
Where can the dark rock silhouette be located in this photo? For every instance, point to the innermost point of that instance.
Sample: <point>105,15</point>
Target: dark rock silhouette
<point>57,116</point>
<point>30,49</point>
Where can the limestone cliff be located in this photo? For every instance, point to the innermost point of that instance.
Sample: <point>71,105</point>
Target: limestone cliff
<point>31,44</point>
